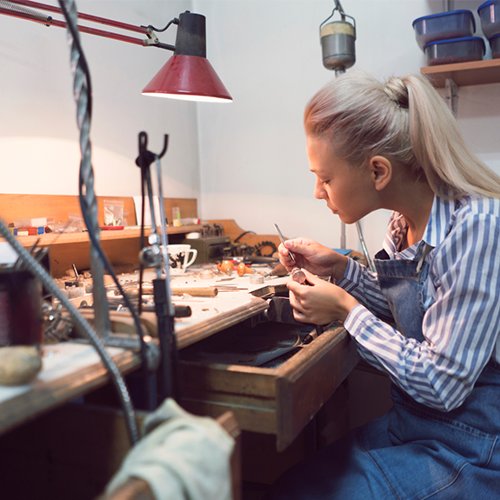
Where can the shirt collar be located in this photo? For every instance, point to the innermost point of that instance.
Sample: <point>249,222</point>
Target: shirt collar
<point>438,226</point>
<point>440,221</point>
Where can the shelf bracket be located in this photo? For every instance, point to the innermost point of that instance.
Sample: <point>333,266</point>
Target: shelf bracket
<point>452,95</point>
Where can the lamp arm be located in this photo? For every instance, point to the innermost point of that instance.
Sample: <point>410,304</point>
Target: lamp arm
<point>8,8</point>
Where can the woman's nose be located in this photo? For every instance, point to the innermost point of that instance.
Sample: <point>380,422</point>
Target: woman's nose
<point>319,191</point>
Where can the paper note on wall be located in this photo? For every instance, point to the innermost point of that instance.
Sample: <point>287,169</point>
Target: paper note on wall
<point>147,211</point>
<point>7,254</point>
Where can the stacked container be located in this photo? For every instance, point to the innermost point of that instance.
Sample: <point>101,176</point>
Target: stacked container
<point>489,14</point>
<point>448,37</point>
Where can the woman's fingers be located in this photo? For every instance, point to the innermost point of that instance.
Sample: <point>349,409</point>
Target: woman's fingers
<point>319,302</point>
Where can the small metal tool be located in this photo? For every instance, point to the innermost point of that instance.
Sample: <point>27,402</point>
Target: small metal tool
<point>283,241</point>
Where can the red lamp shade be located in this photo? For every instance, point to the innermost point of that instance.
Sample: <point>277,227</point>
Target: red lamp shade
<point>190,78</point>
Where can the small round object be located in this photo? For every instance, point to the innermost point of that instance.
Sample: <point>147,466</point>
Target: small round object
<point>256,279</point>
<point>206,274</point>
<point>226,267</point>
<point>243,269</point>
<point>299,275</point>
<point>151,256</point>
<point>19,364</point>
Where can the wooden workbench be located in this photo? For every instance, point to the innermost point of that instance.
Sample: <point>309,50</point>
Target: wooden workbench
<point>73,369</point>
<point>278,402</point>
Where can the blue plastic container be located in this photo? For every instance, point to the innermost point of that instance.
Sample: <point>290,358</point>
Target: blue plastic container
<point>495,46</point>
<point>444,26</point>
<point>457,50</point>
<point>489,14</point>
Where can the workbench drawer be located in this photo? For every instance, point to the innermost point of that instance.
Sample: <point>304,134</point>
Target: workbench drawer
<point>280,400</point>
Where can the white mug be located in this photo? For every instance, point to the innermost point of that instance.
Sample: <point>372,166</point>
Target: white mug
<point>179,260</point>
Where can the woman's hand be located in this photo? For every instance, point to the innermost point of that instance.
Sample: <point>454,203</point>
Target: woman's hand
<point>313,257</point>
<point>320,303</point>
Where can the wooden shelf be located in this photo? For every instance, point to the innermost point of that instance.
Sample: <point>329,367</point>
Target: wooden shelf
<point>121,246</point>
<point>464,74</point>
<point>63,239</point>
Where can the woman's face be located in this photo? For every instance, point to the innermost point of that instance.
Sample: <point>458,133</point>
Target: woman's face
<point>348,191</point>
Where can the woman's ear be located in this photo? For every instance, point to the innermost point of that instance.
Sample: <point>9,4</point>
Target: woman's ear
<point>381,172</point>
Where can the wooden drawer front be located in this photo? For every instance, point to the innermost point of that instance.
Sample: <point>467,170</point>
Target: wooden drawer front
<point>249,392</point>
<point>278,400</point>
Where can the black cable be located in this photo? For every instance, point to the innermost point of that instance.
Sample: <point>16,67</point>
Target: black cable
<point>243,234</point>
<point>173,21</point>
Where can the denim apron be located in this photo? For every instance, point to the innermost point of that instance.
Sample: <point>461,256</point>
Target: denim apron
<point>413,452</point>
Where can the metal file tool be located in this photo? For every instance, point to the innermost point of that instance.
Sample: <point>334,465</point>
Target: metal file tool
<point>283,241</point>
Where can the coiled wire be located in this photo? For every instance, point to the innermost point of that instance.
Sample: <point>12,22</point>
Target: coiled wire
<point>82,92</point>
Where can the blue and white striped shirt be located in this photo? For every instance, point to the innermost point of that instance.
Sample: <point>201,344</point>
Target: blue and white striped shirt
<point>461,298</point>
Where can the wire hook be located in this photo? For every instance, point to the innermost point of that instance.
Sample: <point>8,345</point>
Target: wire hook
<point>146,157</point>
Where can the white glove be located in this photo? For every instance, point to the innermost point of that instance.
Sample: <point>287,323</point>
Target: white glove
<point>182,456</point>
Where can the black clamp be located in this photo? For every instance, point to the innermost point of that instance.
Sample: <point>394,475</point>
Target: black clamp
<point>146,157</point>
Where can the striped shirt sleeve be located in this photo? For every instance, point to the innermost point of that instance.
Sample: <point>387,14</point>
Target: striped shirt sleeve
<point>460,326</point>
<point>363,286</point>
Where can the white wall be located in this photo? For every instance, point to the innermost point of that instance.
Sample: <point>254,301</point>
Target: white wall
<point>250,154</point>
<point>253,163</point>
<point>39,151</point>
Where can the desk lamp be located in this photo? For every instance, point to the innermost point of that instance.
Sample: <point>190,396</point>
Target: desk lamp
<point>188,75</point>
<point>337,46</point>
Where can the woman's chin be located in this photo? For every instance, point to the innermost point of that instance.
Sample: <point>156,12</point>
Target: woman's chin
<point>347,220</point>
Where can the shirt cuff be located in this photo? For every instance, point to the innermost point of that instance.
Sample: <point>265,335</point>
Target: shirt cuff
<point>350,272</point>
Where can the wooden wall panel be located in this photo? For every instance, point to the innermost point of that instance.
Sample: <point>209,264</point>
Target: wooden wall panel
<point>24,206</point>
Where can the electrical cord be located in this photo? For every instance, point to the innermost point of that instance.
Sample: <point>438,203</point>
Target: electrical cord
<point>82,89</point>
<point>151,27</point>
<point>84,203</point>
<point>86,180</point>
<point>243,234</point>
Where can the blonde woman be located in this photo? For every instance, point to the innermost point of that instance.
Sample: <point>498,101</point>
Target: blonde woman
<point>430,315</point>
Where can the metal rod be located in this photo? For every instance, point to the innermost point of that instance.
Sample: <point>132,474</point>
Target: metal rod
<point>343,239</point>
<point>81,15</point>
<point>151,41</point>
<point>173,361</point>
<point>164,239</point>
<point>369,262</point>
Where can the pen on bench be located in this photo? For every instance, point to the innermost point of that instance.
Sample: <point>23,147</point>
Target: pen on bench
<point>283,241</point>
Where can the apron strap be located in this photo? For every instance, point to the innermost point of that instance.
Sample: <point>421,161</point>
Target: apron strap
<point>425,252</point>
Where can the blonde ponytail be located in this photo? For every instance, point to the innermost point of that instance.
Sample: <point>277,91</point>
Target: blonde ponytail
<point>404,119</point>
<point>440,148</point>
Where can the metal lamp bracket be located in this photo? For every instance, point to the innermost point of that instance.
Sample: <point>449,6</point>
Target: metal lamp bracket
<point>452,95</point>
<point>152,38</point>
